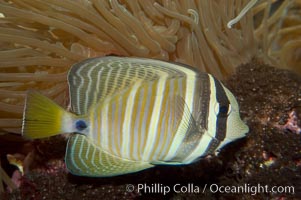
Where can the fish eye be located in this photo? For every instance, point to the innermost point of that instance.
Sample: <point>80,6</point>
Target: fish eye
<point>80,125</point>
<point>223,110</point>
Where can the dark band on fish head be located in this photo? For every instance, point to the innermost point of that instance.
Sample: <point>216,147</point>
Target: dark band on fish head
<point>222,116</point>
<point>204,101</point>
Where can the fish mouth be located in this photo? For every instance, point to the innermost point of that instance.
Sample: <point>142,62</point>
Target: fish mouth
<point>241,131</point>
<point>245,129</point>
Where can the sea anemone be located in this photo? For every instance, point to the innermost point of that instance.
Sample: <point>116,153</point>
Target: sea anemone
<point>279,33</point>
<point>40,40</point>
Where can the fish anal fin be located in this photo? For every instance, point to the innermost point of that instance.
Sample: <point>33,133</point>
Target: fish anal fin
<point>84,158</point>
<point>166,163</point>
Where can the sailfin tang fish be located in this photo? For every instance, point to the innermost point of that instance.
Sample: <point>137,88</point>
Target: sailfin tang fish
<point>129,114</point>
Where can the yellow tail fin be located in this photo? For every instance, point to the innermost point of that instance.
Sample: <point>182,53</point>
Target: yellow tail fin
<point>42,117</point>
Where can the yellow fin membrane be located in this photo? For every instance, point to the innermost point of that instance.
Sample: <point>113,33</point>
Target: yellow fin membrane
<point>42,117</point>
<point>84,158</point>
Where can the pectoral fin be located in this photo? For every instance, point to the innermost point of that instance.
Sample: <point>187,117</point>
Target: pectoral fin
<point>84,158</point>
<point>188,134</point>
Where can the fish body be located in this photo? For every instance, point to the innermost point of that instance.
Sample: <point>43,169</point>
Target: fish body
<point>129,114</point>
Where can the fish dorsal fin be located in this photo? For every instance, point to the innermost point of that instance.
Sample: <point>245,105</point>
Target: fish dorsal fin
<point>84,158</point>
<point>93,80</point>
